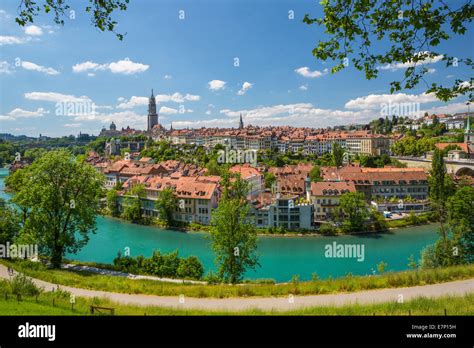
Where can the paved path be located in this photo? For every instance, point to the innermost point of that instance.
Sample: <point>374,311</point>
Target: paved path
<point>458,288</point>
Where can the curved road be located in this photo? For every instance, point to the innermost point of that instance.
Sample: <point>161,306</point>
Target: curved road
<point>458,288</point>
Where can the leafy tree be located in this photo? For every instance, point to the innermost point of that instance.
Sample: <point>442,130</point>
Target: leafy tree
<point>412,262</point>
<point>270,179</point>
<point>101,12</point>
<point>315,174</point>
<point>33,154</point>
<point>166,204</point>
<point>138,190</point>
<point>327,229</point>
<point>408,30</point>
<point>112,202</point>
<point>213,167</point>
<point>9,223</point>
<point>440,185</point>
<point>456,241</point>
<point>337,154</point>
<point>58,196</point>
<point>233,235</point>
<point>190,267</point>
<point>7,152</point>
<point>460,220</point>
<point>354,211</point>
<point>381,267</point>
<point>132,204</point>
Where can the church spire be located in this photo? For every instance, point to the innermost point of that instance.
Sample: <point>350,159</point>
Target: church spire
<point>152,114</point>
<point>241,122</point>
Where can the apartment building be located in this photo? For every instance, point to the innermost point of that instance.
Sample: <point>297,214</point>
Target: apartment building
<point>197,196</point>
<point>253,176</point>
<point>325,196</point>
<point>387,187</point>
<point>286,211</point>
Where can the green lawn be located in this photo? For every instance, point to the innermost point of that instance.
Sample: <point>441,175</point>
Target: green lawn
<point>421,306</point>
<point>344,284</point>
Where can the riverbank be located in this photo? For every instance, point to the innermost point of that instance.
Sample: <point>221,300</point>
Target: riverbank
<point>391,225</point>
<point>293,301</point>
<point>345,284</point>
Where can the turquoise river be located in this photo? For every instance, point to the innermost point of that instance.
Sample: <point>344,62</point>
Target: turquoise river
<point>280,257</point>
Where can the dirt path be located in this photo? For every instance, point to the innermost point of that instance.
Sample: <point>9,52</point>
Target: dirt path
<point>458,288</point>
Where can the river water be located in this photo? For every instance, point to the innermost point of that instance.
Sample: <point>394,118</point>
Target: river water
<point>280,257</point>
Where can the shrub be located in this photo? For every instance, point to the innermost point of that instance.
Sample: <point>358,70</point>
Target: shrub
<point>23,286</point>
<point>327,229</point>
<point>161,265</point>
<point>190,268</point>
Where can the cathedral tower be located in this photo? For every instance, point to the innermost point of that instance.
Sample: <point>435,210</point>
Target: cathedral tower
<point>152,115</point>
<point>241,122</point>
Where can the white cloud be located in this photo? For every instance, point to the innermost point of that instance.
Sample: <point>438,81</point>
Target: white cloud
<point>167,77</point>
<point>56,97</point>
<point>216,85</point>
<point>191,97</point>
<point>33,30</point>
<point>167,111</point>
<point>133,102</point>
<point>299,114</point>
<point>431,71</point>
<point>374,101</point>
<point>4,14</point>
<point>85,66</point>
<point>20,113</point>
<point>35,67</point>
<point>305,72</point>
<point>412,63</point>
<point>12,40</point>
<point>121,119</point>
<point>446,109</point>
<point>465,84</point>
<point>72,125</point>
<point>127,67</point>
<point>205,123</point>
<point>303,87</point>
<point>124,66</point>
<point>160,98</point>
<point>208,112</point>
<point>245,87</point>
<point>5,67</point>
<point>170,111</point>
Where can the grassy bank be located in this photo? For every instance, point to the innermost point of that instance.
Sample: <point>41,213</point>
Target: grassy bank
<point>417,220</point>
<point>345,284</point>
<point>43,305</point>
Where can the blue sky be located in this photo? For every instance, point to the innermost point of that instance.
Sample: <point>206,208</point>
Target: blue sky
<point>190,65</point>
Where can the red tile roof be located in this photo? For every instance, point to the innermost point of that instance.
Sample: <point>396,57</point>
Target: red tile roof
<point>327,188</point>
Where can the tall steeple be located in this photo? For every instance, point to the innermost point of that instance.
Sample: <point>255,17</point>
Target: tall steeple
<point>152,115</point>
<point>468,133</point>
<point>241,122</point>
